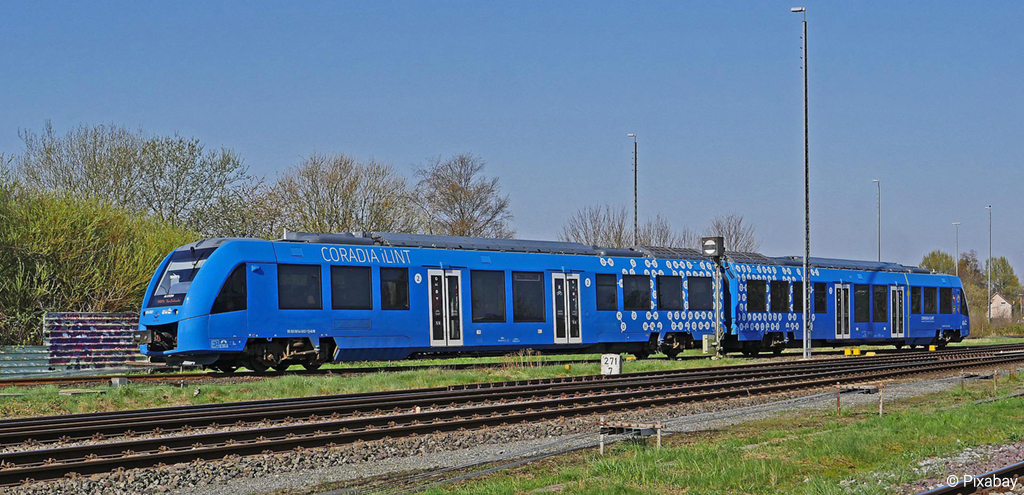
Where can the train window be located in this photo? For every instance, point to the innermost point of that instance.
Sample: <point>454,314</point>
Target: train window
<point>861,303</point>
<point>880,293</point>
<point>394,288</point>
<point>698,294</point>
<point>177,277</point>
<point>636,292</point>
<point>232,294</point>
<point>946,300</point>
<point>757,297</point>
<point>350,287</point>
<point>915,300</point>
<point>607,293</point>
<point>780,296</point>
<point>820,297</point>
<point>963,303</point>
<point>488,296</point>
<point>930,300</point>
<point>798,297</point>
<point>528,297</point>
<point>670,292</point>
<point>298,287</point>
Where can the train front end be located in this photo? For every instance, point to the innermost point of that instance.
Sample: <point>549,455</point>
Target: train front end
<point>174,324</point>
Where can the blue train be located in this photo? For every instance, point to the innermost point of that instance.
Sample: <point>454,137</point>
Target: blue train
<point>314,298</point>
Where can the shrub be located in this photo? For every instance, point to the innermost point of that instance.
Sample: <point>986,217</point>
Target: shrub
<point>60,253</point>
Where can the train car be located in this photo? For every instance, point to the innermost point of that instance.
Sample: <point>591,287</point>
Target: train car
<point>852,303</point>
<point>314,298</point>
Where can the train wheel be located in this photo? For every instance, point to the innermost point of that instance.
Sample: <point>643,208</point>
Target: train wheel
<point>311,365</point>
<point>898,346</point>
<point>225,368</point>
<point>280,368</point>
<point>672,354</point>
<point>257,365</point>
<point>641,354</point>
<point>777,350</point>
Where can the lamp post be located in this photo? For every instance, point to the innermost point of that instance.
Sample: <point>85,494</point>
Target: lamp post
<point>879,184</point>
<point>636,224</point>
<point>807,198</point>
<point>989,263</point>
<point>956,261</point>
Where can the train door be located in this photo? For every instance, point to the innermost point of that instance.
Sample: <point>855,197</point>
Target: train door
<point>897,318</point>
<point>565,290</point>
<point>445,307</point>
<point>842,311</point>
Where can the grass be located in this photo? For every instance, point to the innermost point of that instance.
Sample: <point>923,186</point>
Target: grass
<point>45,400</point>
<point>806,452</point>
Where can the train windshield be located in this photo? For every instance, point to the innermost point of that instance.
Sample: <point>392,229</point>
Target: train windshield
<point>178,276</point>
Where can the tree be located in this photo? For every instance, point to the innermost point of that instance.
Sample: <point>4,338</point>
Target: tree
<point>739,236</point>
<point>250,210</point>
<point>598,226</point>
<point>658,232</point>
<point>333,193</point>
<point>1004,280</point>
<point>455,198</point>
<point>180,179</point>
<point>605,226</point>
<point>170,177</point>
<point>102,162</point>
<point>938,261</point>
<point>970,268</point>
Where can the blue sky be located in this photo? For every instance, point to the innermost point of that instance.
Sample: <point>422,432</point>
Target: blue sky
<point>926,96</point>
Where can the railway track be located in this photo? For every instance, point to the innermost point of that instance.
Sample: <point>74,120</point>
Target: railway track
<point>94,443</point>
<point>164,376</point>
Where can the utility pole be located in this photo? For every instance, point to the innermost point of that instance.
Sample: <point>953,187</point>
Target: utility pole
<point>636,223</point>
<point>989,263</point>
<point>879,183</point>
<point>807,199</point>
<point>956,261</point>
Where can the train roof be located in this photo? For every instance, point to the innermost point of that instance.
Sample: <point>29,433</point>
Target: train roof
<point>393,239</point>
<point>840,264</point>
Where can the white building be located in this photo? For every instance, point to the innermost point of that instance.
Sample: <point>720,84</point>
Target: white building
<point>1001,308</point>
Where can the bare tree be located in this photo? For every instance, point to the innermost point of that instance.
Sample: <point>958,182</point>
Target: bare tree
<point>333,193</point>
<point>597,226</point>
<point>101,162</point>
<point>249,210</point>
<point>609,227</point>
<point>170,177</point>
<point>658,232</point>
<point>180,178</point>
<point>739,236</point>
<point>455,198</point>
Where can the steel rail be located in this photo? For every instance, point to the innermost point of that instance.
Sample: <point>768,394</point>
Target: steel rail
<point>140,421</point>
<point>98,425</point>
<point>50,463</point>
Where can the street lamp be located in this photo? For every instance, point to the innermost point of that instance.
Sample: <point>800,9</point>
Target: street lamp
<point>989,263</point>
<point>956,261</point>
<point>807,198</point>
<point>636,225</point>
<point>879,183</point>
